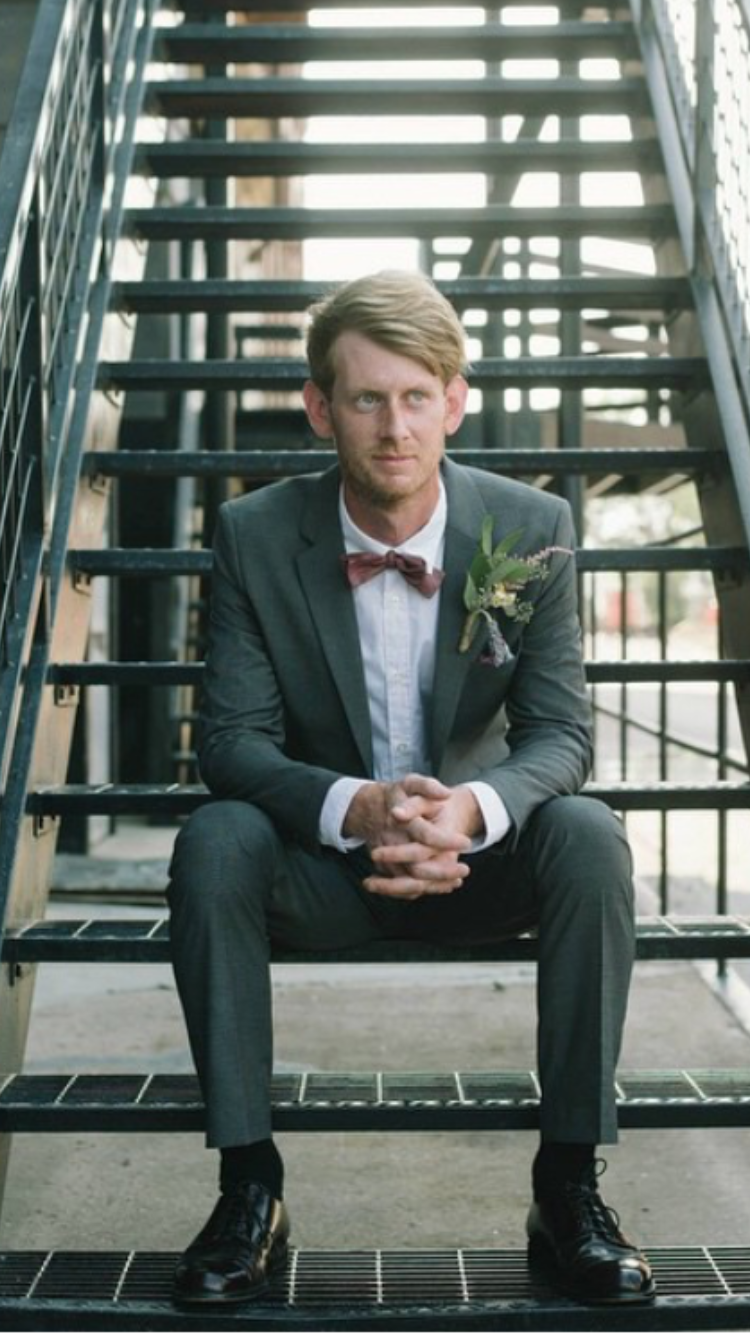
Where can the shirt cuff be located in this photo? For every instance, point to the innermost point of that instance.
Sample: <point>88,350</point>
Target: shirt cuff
<point>497,822</point>
<point>333,813</point>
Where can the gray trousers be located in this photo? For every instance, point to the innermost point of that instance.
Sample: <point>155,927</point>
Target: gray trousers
<point>237,888</point>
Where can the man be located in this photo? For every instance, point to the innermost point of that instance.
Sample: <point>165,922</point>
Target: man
<point>369,785</point>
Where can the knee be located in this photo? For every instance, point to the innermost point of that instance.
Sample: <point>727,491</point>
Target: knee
<point>585,844</point>
<point>223,849</point>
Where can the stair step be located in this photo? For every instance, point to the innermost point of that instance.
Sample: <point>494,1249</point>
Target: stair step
<point>292,158</point>
<point>600,672</point>
<point>204,8</point>
<point>270,98</point>
<point>492,221</point>
<point>362,1101</point>
<point>157,562</point>
<point>268,463</point>
<point>290,373</point>
<point>340,1290</point>
<point>292,43</point>
<point>180,799</point>
<point>129,940</point>
<point>226,295</point>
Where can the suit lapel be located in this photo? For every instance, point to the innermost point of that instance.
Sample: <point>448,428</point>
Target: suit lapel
<point>332,608</point>
<point>466,510</point>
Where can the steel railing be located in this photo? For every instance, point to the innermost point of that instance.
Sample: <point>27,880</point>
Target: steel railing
<point>697,53</point>
<point>63,169</point>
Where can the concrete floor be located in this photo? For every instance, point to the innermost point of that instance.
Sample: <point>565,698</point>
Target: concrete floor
<point>153,1192</point>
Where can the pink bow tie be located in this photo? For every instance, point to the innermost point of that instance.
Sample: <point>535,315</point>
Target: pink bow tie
<point>363,565</point>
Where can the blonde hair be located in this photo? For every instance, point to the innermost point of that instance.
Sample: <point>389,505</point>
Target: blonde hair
<point>401,311</point>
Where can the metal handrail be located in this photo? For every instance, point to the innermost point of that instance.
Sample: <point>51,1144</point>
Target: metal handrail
<point>64,163</point>
<point>699,52</point>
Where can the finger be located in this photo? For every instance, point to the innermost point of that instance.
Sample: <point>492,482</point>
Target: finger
<point>413,808</point>
<point>434,835</point>
<point>408,886</point>
<point>419,785</point>
<point>391,853</point>
<point>422,862</point>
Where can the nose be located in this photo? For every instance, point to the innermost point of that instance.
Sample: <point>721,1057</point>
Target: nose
<point>393,423</point>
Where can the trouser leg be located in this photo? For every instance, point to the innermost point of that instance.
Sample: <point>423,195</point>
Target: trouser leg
<point>580,862</point>
<point>234,887</point>
<point>569,876</point>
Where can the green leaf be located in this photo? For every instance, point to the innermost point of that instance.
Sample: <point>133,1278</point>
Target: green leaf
<point>503,548</point>
<point>472,597</point>
<point>485,540</point>
<point>514,572</point>
<point>479,569</point>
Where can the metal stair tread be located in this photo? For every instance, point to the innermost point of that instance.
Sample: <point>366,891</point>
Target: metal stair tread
<point>296,295</point>
<point>598,671</point>
<point>284,462</point>
<point>483,293</point>
<point>341,1289</point>
<point>152,562</point>
<point>205,8</point>
<point>280,43</point>
<point>293,157</point>
<point>165,222</point>
<point>146,940</point>
<point>290,373</point>
<point>362,1100</point>
<point>273,97</point>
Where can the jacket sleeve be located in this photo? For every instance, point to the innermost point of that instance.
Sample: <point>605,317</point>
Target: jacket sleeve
<point>241,750</point>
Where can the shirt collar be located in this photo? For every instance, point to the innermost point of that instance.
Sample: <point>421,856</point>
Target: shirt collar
<point>427,543</point>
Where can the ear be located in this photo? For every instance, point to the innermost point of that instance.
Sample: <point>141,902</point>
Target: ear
<point>318,410</point>
<point>456,396</point>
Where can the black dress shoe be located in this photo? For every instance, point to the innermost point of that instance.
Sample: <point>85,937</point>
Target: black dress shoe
<point>575,1240</point>
<point>232,1259</point>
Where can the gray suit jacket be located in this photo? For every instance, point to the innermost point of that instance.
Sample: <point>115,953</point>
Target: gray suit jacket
<point>286,710</point>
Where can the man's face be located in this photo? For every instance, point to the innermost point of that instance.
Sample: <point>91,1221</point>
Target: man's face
<point>389,417</point>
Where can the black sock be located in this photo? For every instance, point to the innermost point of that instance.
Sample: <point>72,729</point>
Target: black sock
<point>259,1162</point>
<point>557,1163</point>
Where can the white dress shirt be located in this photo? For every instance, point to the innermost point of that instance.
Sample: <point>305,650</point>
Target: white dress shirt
<point>397,634</point>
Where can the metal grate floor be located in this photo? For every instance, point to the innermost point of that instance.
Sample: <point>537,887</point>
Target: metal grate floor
<point>147,941</point>
<point>364,1100</point>
<point>697,1288</point>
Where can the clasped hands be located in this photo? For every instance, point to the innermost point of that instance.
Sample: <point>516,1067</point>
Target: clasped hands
<point>416,830</point>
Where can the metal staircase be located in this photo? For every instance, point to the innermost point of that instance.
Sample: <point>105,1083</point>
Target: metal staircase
<point>606,379</point>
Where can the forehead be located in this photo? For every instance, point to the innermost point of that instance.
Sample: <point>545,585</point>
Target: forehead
<point>361,363</point>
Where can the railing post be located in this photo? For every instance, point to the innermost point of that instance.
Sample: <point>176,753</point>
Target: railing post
<point>704,159</point>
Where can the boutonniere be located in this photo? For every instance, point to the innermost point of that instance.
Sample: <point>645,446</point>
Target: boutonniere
<point>495,579</point>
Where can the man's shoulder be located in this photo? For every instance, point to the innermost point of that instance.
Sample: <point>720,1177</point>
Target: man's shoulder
<point>278,503</point>
<point>498,491</point>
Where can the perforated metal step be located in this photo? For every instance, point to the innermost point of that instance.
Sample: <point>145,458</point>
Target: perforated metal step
<point>265,464</point>
<point>290,158</point>
<point>272,97</point>
<point>489,222</point>
<point>192,673</point>
<point>364,1101</point>
<point>698,1288</point>
<point>111,940</point>
<point>275,43</point>
<point>157,562</point>
<point>290,373</point>
<point>478,293</point>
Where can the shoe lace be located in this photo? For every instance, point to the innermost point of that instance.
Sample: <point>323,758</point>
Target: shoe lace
<point>232,1211</point>
<point>590,1212</point>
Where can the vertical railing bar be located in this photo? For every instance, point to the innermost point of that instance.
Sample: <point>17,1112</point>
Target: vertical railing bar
<point>722,741</point>
<point>623,628</point>
<point>663,743</point>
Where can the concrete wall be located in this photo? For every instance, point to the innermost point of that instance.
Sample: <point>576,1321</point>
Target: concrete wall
<point>16,22</point>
